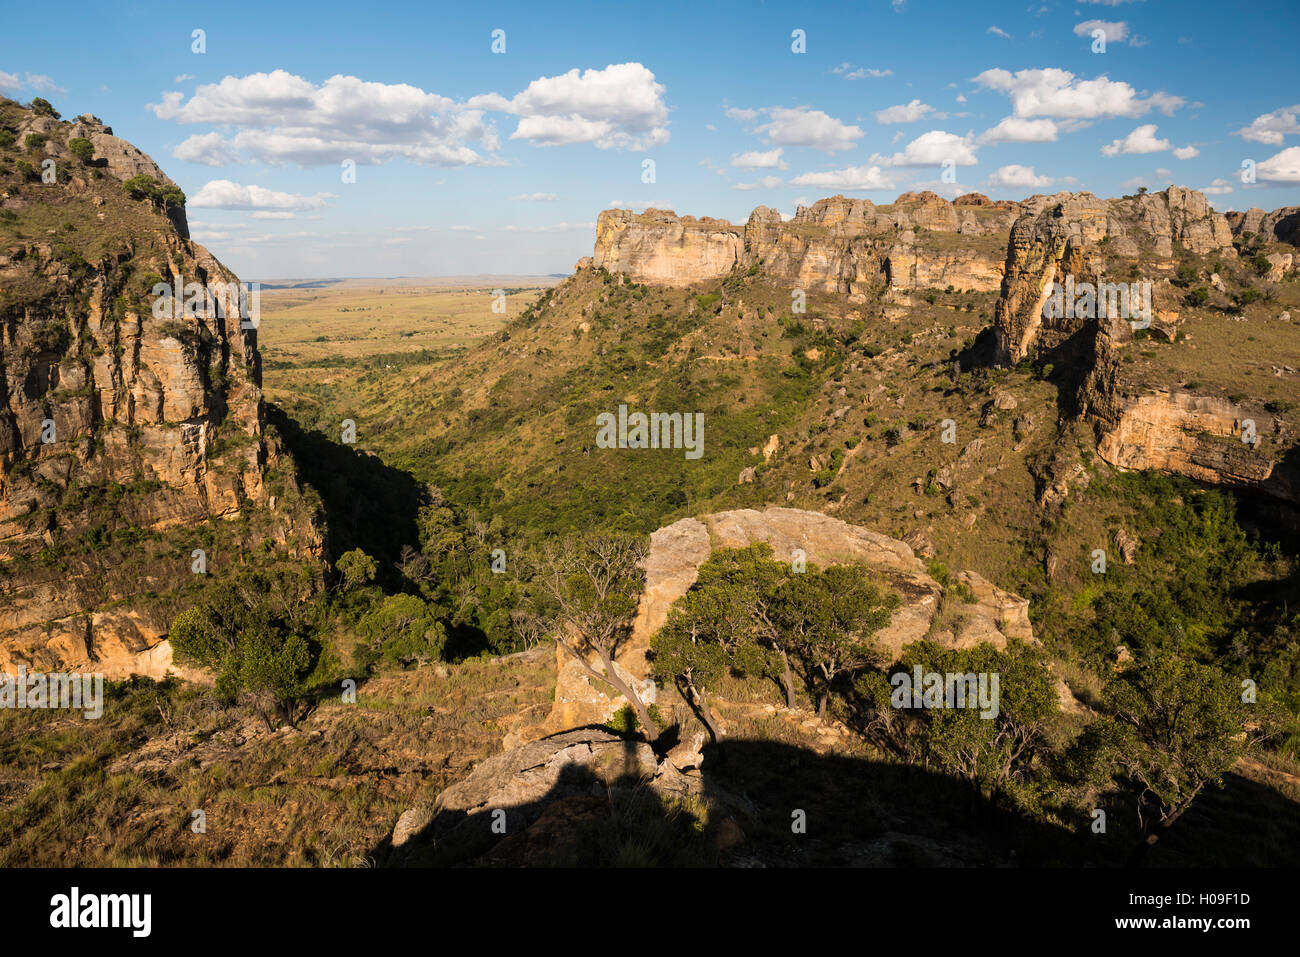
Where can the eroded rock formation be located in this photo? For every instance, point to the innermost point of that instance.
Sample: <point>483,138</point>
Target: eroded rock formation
<point>836,246</point>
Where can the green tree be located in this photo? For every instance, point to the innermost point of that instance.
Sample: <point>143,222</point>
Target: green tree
<point>255,632</point>
<point>81,148</point>
<point>594,582</point>
<point>357,569</point>
<point>986,749</point>
<point>1172,726</point>
<point>829,617</point>
<point>42,107</point>
<point>404,629</point>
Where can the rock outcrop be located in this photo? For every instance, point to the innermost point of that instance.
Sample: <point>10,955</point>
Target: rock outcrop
<point>837,246</point>
<point>1281,225</point>
<point>116,424</point>
<point>678,550</point>
<point>1079,237</point>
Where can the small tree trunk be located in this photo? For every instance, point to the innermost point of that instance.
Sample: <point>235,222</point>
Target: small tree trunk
<point>706,715</point>
<point>821,703</point>
<point>787,680</point>
<point>621,686</point>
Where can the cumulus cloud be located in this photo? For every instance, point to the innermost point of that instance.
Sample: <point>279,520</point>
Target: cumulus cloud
<point>1058,93</point>
<point>619,107</point>
<point>43,84</point>
<point>1013,129</point>
<point>766,182</point>
<point>904,112</point>
<point>9,82</point>
<point>1186,152</point>
<point>1270,128</point>
<point>224,194</point>
<point>1284,167</point>
<point>1141,140</point>
<point>1219,187</point>
<point>934,148</point>
<point>206,149</point>
<point>850,178</point>
<point>759,160</point>
<point>1114,31</point>
<point>282,118</point>
<point>1015,175</point>
<point>802,126</point>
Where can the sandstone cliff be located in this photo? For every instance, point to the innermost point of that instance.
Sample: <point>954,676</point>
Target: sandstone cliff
<point>117,428</point>
<point>1140,423</point>
<point>837,246</point>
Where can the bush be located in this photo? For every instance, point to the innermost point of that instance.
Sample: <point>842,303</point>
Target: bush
<point>81,148</point>
<point>42,107</point>
<point>146,187</point>
<point>1198,296</point>
<point>34,141</point>
<point>7,138</point>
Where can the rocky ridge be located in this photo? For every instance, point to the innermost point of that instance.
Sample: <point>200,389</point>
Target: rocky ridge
<point>101,402</point>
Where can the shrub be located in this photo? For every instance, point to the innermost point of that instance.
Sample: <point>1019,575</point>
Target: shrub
<point>42,107</point>
<point>81,148</point>
<point>34,141</point>
<point>7,138</point>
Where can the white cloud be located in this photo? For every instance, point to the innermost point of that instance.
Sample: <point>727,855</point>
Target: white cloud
<point>932,149</point>
<point>756,160</point>
<point>1270,128</point>
<point>1186,152</point>
<point>1219,187</point>
<point>766,182</point>
<point>206,149</point>
<point>9,82</point>
<point>998,32</point>
<point>961,98</point>
<point>223,194</point>
<point>850,178</point>
<point>535,197</point>
<point>272,214</point>
<point>803,126</point>
<point>1284,167</point>
<point>43,84</point>
<point>1057,93</point>
<point>850,72</point>
<point>282,118</point>
<point>619,107</point>
<point>904,113</point>
<point>552,228</point>
<point>1141,140</point>
<point>183,77</point>
<point>1016,175</point>
<point>1115,31</point>
<point>1013,129</point>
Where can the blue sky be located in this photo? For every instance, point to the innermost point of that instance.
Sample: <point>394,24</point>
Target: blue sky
<point>470,161</point>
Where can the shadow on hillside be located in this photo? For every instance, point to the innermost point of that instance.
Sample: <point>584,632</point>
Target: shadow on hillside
<point>858,812</point>
<point>367,504</point>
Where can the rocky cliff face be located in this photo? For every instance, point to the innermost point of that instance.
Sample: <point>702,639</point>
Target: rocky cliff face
<point>117,427</point>
<point>1083,239</point>
<point>836,246</point>
<point>677,551</point>
<point>1281,225</point>
<point>1091,240</point>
